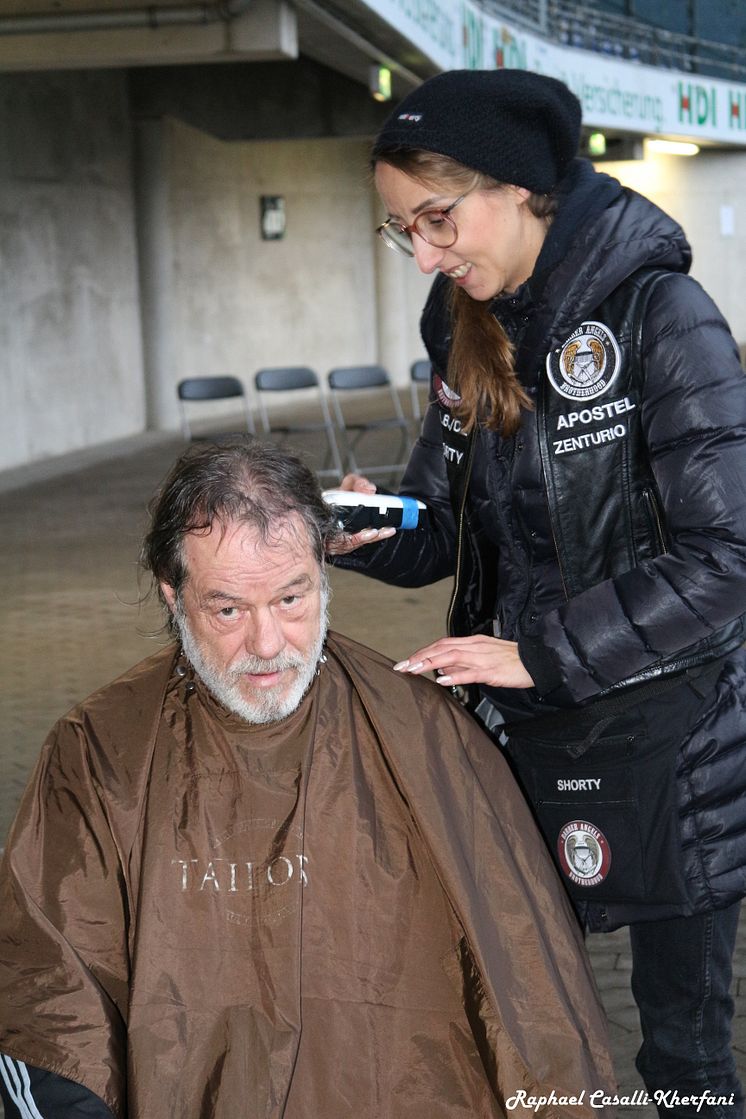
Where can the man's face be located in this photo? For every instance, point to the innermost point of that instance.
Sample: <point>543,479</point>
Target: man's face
<point>252,616</point>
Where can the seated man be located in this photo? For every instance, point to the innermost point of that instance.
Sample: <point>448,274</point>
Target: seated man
<point>263,875</point>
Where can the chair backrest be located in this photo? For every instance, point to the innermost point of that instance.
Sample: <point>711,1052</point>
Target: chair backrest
<point>358,377</point>
<point>285,378</point>
<point>421,370</point>
<point>196,389</point>
<point>209,388</point>
<point>355,426</point>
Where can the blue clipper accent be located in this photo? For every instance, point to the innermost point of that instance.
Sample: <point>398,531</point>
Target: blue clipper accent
<point>410,514</point>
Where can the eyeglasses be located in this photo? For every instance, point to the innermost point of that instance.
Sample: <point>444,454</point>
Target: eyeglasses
<point>437,227</point>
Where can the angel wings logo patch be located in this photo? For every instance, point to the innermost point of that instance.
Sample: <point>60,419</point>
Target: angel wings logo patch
<point>584,853</point>
<point>587,364</point>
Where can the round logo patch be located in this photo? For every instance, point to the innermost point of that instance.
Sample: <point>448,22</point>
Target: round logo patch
<point>585,366</point>
<point>584,853</point>
<point>447,397</point>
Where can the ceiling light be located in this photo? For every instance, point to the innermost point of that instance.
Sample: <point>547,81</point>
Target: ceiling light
<point>379,83</point>
<point>596,144</point>
<point>672,147</point>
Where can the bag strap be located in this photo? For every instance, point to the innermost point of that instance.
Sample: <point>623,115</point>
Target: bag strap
<point>458,492</point>
<point>597,715</point>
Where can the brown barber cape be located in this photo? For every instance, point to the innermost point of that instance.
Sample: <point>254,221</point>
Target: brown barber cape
<point>347,913</point>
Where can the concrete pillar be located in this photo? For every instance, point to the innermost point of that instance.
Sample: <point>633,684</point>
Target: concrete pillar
<point>155,267</point>
<point>392,306</point>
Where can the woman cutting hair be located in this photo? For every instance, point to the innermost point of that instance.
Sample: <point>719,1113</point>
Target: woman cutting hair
<point>583,461</point>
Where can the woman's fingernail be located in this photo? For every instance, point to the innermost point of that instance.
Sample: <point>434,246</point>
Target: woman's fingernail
<point>368,533</point>
<point>401,666</point>
<point>442,679</point>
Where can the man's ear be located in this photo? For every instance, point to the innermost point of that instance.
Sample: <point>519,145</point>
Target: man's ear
<point>169,594</point>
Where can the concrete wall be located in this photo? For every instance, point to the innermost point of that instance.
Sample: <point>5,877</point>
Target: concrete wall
<point>210,297</point>
<point>132,257</point>
<point>258,100</point>
<point>243,302</point>
<point>70,355</point>
<point>694,190</point>
<point>237,303</point>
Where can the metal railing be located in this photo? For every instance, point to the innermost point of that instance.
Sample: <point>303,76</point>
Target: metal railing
<point>581,25</point>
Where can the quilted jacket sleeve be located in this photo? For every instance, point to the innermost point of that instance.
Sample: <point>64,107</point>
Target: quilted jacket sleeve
<point>694,418</point>
<point>416,557</point>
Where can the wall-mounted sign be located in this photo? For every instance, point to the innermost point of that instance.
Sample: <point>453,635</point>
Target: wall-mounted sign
<point>272,217</point>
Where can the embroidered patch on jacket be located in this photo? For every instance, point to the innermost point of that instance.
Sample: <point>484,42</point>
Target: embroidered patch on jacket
<point>447,397</point>
<point>586,365</point>
<point>584,853</point>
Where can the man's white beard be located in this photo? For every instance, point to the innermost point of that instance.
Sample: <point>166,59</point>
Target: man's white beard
<point>269,705</point>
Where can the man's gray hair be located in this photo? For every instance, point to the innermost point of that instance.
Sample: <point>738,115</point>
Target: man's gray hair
<point>252,482</point>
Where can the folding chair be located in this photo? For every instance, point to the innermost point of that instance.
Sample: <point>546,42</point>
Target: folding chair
<point>293,378</point>
<point>200,389</point>
<point>420,373</point>
<point>375,380</point>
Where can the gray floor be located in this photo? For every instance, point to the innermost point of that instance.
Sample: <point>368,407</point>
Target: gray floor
<point>73,616</point>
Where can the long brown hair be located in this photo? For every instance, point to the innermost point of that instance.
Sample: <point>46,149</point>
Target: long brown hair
<point>480,361</point>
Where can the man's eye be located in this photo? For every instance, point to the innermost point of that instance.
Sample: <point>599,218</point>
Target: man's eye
<point>290,599</point>
<point>228,612</point>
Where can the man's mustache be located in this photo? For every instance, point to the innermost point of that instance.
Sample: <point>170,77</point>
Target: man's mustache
<point>258,665</point>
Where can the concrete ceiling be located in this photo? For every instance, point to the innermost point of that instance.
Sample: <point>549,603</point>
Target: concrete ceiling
<point>55,7</point>
<point>87,34</point>
<point>352,39</point>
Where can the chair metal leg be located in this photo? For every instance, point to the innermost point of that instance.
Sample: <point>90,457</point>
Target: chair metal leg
<point>331,439</point>
<point>250,425</point>
<point>352,466</point>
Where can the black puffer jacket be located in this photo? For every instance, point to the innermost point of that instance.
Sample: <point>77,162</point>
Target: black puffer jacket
<point>693,415</point>
<point>692,409</point>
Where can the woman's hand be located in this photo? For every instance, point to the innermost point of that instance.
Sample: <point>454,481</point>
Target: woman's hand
<point>341,545</point>
<point>470,660</point>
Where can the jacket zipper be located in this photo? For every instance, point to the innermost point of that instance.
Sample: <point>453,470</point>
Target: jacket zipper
<point>545,474</point>
<point>460,533</point>
<point>559,560</point>
<point>649,497</point>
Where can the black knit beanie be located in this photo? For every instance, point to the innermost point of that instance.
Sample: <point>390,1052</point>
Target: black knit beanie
<point>513,125</point>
